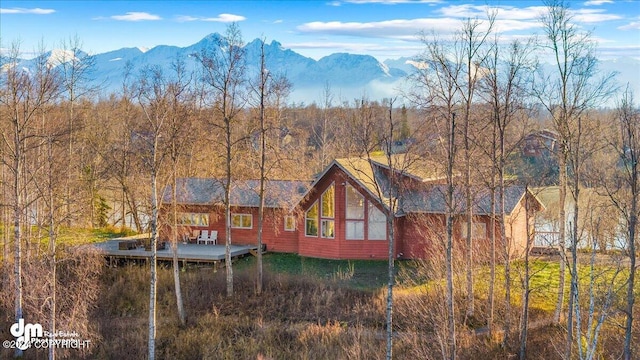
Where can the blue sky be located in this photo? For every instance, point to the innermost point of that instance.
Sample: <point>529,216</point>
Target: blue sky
<point>381,28</point>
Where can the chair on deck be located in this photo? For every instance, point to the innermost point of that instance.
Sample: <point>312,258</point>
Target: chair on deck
<point>213,237</point>
<point>189,238</point>
<point>203,237</point>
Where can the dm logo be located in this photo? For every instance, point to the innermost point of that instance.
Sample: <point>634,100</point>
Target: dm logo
<point>24,333</point>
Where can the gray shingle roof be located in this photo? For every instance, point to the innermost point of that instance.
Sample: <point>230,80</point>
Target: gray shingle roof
<point>199,191</point>
<point>433,199</point>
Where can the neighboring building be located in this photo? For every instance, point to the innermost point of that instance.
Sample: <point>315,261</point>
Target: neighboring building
<point>603,231</point>
<point>341,215</point>
<point>541,143</point>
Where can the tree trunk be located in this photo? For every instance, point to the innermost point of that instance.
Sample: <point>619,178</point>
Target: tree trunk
<point>154,275</point>
<point>506,252</point>
<point>390,281</point>
<point>227,211</point>
<point>524,321</point>
<point>631,126</point>
<point>263,148</point>
<point>451,320</point>
<point>628,331</point>
<point>562,221</point>
<point>52,252</point>
<point>17,235</point>
<point>174,250</point>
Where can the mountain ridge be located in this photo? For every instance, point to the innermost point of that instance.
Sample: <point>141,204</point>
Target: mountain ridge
<point>349,76</point>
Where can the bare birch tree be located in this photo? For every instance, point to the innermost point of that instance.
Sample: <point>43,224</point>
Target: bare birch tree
<point>506,90</point>
<point>179,136</point>
<point>437,91</point>
<point>224,68</point>
<point>23,95</point>
<point>76,69</point>
<point>371,131</point>
<point>152,96</point>
<point>570,90</point>
<point>622,187</point>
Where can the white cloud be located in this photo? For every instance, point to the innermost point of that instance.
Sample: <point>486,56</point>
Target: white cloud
<point>406,28</point>
<point>136,16</point>
<point>502,12</point>
<point>186,18</point>
<point>355,47</point>
<point>597,2</point>
<point>381,29</point>
<point>593,15</point>
<point>392,2</point>
<point>531,14</point>
<point>614,52</point>
<point>634,25</point>
<point>224,18</point>
<point>36,11</point>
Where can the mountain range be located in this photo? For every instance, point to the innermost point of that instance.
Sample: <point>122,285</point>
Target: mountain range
<point>349,76</point>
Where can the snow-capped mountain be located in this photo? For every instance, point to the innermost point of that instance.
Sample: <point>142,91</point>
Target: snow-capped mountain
<point>349,76</point>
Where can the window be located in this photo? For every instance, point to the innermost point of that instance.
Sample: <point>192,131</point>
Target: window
<point>328,211</point>
<point>328,229</point>
<point>355,204</point>
<point>241,221</point>
<point>289,223</point>
<point>311,220</point>
<point>354,230</point>
<point>193,219</point>
<point>354,213</point>
<point>328,202</point>
<point>377,224</point>
<point>478,230</point>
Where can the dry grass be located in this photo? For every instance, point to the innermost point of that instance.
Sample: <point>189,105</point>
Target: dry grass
<point>308,316</point>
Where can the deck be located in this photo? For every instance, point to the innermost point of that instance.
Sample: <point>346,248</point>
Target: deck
<point>191,253</point>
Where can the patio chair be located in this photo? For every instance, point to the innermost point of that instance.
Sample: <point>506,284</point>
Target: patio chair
<point>213,237</point>
<point>204,236</point>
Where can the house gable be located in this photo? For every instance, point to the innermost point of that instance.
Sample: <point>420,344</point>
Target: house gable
<point>356,236</point>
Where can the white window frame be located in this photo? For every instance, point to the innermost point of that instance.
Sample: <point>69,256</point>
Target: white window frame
<point>242,216</point>
<point>322,227</point>
<point>353,220</point>
<point>289,219</point>
<point>307,218</point>
<point>333,202</point>
<point>193,219</point>
<point>369,222</point>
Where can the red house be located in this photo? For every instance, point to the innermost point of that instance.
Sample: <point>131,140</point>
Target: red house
<point>342,214</point>
<point>200,207</point>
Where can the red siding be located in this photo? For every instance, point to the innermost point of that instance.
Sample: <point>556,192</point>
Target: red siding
<point>274,236</point>
<point>415,235</point>
<point>339,247</point>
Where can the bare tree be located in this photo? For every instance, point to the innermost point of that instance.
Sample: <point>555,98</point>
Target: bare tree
<point>622,187</point>
<point>179,131</point>
<point>437,91</point>
<point>566,94</point>
<point>322,133</point>
<point>506,90</point>
<point>224,74</point>
<point>629,117</point>
<point>76,69</point>
<point>471,40</point>
<point>23,96</point>
<point>152,96</point>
